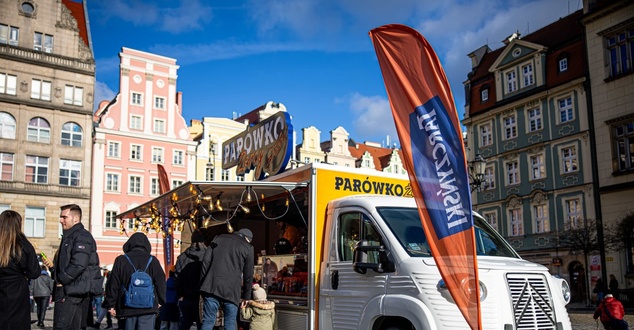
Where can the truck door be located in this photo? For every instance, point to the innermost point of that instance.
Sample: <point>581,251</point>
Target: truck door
<point>345,293</point>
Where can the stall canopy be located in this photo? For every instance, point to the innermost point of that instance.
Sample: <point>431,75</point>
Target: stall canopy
<point>199,201</point>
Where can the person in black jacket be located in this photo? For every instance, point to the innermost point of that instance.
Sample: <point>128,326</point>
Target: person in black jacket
<point>18,263</point>
<point>188,266</point>
<point>75,269</point>
<point>42,288</point>
<point>138,249</point>
<point>227,269</point>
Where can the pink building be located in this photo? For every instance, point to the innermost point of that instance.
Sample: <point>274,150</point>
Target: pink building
<point>140,128</point>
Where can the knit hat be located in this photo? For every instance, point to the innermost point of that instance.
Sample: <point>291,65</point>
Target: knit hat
<point>245,232</point>
<point>197,236</point>
<point>609,295</point>
<point>258,293</point>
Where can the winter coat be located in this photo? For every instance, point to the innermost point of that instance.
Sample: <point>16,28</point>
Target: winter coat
<point>188,267</point>
<point>169,311</point>
<point>15,306</point>
<point>260,314</point>
<point>42,286</point>
<point>138,249</point>
<point>77,263</point>
<point>228,268</point>
<point>614,306</point>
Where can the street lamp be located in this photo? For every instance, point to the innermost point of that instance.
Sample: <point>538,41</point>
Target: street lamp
<point>477,167</point>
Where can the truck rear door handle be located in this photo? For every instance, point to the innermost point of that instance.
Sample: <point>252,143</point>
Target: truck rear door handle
<point>334,279</point>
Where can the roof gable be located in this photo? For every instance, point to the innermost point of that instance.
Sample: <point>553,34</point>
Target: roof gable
<point>514,52</point>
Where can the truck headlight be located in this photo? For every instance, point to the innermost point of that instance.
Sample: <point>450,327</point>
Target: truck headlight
<point>565,290</point>
<point>483,289</point>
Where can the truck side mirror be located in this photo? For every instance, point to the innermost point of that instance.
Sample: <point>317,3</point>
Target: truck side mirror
<point>361,262</point>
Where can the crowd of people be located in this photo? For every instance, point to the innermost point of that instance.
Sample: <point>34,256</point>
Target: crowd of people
<point>219,278</point>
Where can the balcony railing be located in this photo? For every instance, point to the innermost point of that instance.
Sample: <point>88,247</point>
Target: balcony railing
<point>51,59</point>
<point>43,189</point>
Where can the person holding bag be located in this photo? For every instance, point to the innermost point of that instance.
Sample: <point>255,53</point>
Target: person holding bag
<point>611,312</point>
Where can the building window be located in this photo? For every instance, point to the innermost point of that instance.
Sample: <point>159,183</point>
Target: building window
<point>43,42</point>
<point>7,126</point>
<point>491,218</point>
<point>534,119</point>
<point>157,155</point>
<point>114,149</point>
<point>6,166</point>
<point>565,110</point>
<point>484,95</point>
<point>159,126</point>
<point>307,160</point>
<point>624,140</point>
<point>136,122</point>
<point>136,152</point>
<point>489,178</point>
<point>136,99</point>
<point>72,134</point>
<point>540,214</point>
<point>563,65</point>
<point>38,130</point>
<point>527,74</point>
<point>34,221</point>
<point>111,221</point>
<point>573,214</point>
<point>112,182</point>
<point>178,157</point>
<point>511,81</point>
<point>74,95</point>
<point>159,103</point>
<point>517,225</point>
<point>620,49</point>
<point>486,136</point>
<point>8,84</point>
<point>366,163</point>
<point>9,34</point>
<point>40,90</point>
<point>135,185</point>
<point>569,159</point>
<point>209,174</point>
<point>510,127</point>
<point>176,183</point>
<point>538,168</point>
<point>155,188</point>
<point>225,175</point>
<point>240,178</point>
<point>69,172</point>
<point>512,173</point>
<point>36,169</point>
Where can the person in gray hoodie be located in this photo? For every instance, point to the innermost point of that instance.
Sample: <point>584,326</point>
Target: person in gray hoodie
<point>188,267</point>
<point>42,288</point>
<point>138,249</point>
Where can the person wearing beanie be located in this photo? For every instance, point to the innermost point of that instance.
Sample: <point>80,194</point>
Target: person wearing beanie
<point>226,277</point>
<point>187,273</point>
<point>611,313</point>
<point>259,311</point>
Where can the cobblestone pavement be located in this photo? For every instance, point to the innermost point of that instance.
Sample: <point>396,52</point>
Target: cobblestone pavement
<point>580,319</point>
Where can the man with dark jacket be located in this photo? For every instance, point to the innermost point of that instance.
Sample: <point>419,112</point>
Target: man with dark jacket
<point>227,269</point>
<point>75,270</point>
<point>188,266</point>
<point>138,249</point>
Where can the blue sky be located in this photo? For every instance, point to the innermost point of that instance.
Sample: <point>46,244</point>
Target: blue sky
<point>314,56</point>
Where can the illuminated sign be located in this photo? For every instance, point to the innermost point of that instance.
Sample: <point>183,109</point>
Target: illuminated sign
<point>265,147</point>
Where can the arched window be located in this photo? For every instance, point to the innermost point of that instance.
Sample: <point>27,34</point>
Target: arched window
<point>7,126</point>
<point>72,134</point>
<point>39,130</point>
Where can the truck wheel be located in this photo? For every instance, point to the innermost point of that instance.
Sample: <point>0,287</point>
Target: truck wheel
<point>397,327</point>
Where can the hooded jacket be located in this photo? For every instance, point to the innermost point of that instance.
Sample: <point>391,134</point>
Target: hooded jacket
<point>261,314</point>
<point>614,306</point>
<point>188,266</point>
<point>228,268</point>
<point>138,249</point>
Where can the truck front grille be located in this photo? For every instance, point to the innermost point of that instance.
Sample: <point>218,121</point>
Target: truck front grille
<point>532,302</point>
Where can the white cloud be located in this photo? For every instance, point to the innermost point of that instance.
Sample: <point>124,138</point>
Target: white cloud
<point>373,117</point>
<point>102,93</point>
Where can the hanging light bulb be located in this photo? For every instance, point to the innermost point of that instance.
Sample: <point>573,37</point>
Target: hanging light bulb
<point>207,222</point>
<point>218,205</point>
<point>244,209</point>
<point>170,231</point>
<point>286,203</point>
<point>206,198</point>
<point>177,244</point>
<point>249,194</point>
<point>229,228</point>
<point>263,207</point>
<point>181,226</point>
<point>164,234</point>
<point>194,225</point>
<point>121,231</point>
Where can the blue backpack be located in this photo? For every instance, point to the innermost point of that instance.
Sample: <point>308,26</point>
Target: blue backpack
<point>140,292</point>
